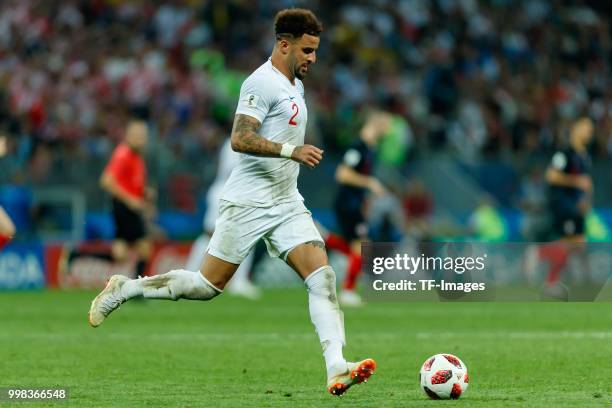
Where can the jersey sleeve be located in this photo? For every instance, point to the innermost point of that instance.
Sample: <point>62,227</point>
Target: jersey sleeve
<point>352,158</point>
<point>256,98</point>
<point>116,163</point>
<point>559,161</point>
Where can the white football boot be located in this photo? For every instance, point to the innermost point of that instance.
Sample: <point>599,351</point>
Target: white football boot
<point>108,300</point>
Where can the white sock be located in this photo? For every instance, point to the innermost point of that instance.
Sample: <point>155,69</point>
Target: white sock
<point>173,285</point>
<point>334,361</point>
<point>327,317</point>
<point>132,288</point>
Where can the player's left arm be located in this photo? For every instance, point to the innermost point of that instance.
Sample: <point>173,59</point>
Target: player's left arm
<point>245,139</point>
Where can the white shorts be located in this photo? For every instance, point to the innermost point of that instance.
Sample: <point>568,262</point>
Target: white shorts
<point>282,227</point>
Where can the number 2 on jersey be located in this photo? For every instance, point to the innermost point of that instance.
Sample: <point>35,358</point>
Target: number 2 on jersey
<point>297,110</point>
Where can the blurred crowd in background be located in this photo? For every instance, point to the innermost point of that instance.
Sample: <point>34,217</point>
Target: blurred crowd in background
<point>480,80</point>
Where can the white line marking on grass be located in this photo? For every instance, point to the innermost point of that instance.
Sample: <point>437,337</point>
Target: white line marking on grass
<point>528,335</point>
<point>520,335</point>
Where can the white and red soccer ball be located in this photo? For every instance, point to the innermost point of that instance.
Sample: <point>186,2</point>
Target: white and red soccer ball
<point>444,376</point>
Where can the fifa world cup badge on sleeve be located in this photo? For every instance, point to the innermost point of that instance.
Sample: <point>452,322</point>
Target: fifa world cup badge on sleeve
<point>251,100</point>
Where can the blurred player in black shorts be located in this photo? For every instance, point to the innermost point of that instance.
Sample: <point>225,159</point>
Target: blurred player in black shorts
<point>355,177</point>
<point>570,196</point>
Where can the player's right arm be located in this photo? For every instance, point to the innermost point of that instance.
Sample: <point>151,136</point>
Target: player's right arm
<point>347,175</point>
<point>245,139</point>
<point>560,179</point>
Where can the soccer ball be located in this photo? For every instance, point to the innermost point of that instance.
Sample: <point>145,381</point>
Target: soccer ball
<point>444,376</point>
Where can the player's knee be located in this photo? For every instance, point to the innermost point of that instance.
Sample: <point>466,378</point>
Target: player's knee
<point>324,259</point>
<point>309,257</point>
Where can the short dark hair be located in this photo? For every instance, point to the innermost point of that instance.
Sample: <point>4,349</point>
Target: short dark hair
<point>295,22</point>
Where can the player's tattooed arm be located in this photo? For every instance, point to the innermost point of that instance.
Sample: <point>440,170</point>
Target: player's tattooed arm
<point>245,138</point>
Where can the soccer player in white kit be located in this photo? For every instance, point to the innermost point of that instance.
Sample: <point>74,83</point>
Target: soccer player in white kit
<point>261,201</point>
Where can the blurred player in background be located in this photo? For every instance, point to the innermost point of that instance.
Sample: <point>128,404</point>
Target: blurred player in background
<point>124,178</point>
<point>355,177</point>
<point>260,201</point>
<point>7,228</point>
<point>571,192</point>
<point>240,284</point>
<point>571,186</point>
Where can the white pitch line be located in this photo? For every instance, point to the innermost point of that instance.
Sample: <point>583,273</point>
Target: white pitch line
<point>521,335</point>
<point>527,335</point>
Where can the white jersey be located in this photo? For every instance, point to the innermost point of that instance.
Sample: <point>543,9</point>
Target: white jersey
<point>268,96</point>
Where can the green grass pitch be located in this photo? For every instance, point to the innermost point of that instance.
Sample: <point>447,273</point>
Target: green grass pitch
<point>236,353</point>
